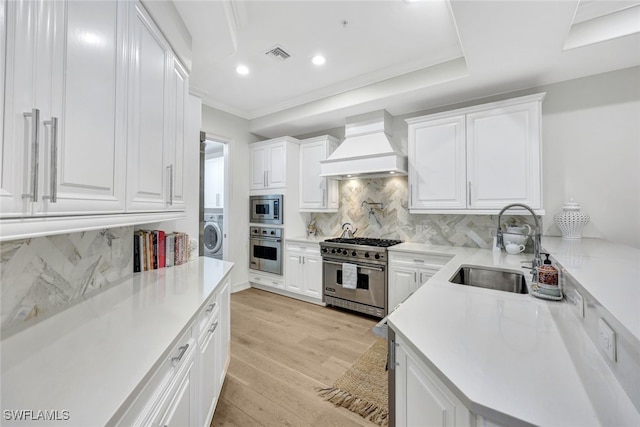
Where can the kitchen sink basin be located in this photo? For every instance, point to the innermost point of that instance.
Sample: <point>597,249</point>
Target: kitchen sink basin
<point>490,278</point>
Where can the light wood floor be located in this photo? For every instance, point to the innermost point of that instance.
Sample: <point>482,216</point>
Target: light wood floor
<point>281,349</point>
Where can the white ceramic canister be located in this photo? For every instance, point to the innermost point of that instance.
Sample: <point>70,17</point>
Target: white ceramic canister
<point>571,220</point>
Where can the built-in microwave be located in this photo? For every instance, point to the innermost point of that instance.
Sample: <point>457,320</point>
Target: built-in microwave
<point>266,209</point>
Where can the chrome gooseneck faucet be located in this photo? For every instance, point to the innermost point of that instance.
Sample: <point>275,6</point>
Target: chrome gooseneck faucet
<point>537,259</point>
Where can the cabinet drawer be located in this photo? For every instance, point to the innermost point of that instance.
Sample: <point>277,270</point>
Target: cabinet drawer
<point>266,280</point>
<point>419,259</point>
<point>207,313</point>
<point>304,248</point>
<point>154,394</point>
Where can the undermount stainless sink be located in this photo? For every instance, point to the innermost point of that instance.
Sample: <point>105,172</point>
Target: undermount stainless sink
<point>490,278</point>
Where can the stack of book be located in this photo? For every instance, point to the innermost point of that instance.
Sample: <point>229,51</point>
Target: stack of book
<point>153,249</point>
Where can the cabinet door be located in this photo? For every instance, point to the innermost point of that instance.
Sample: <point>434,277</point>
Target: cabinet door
<point>224,335</point>
<point>421,400</point>
<point>277,167</point>
<point>312,266</point>
<point>19,98</point>
<point>177,96</point>
<point>209,376</point>
<point>180,412</point>
<point>294,278</point>
<point>146,174</point>
<point>313,191</point>
<point>437,177</point>
<point>402,282</point>
<point>258,167</point>
<point>503,155</point>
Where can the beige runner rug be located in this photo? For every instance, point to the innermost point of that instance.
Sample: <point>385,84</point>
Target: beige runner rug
<point>363,388</point>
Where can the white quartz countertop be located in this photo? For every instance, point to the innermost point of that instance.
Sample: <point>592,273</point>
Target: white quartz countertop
<point>503,354</point>
<point>609,272</point>
<point>88,359</point>
<point>307,239</point>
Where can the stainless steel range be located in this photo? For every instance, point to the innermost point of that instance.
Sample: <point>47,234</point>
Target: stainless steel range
<point>365,291</point>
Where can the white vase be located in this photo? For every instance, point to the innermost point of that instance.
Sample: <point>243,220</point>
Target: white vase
<point>570,220</point>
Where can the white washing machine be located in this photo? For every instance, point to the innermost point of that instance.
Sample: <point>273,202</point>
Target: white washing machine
<point>213,236</point>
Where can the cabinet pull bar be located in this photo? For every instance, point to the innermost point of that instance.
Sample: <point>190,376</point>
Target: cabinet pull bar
<point>211,307</point>
<point>392,355</point>
<point>183,350</point>
<point>324,197</point>
<point>170,170</point>
<point>469,185</point>
<point>411,195</point>
<point>53,197</point>
<point>35,126</point>
<point>415,276</point>
<point>213,327</point>
<point>419,260</point>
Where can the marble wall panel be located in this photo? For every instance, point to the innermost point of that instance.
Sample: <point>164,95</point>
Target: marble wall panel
<point>47,274</point>
<point>359,206</point>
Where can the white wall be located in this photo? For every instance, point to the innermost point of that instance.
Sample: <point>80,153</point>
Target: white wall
<point>591,152</point>
<point>235,129</point>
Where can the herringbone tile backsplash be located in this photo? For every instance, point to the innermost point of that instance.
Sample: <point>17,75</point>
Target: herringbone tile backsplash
<point>46,274</point>
<point>357,206</point>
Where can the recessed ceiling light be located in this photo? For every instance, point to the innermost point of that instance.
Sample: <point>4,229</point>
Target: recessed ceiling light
<point>391,172</point>
<point>243,70</point>
<point>318,60</point>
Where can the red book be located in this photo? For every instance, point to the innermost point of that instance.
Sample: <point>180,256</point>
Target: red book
<point>161,250</point>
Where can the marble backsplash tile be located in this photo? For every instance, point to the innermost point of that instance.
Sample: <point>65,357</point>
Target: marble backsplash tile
<point>43,275</point>
<point>358,206</point>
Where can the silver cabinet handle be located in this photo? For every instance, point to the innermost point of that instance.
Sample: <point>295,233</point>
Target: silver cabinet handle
<point>415,276</point>
<point>324,197</point>
<point>267,172</point>
<point>211,307</point>
<point>170,171</point>
<point>264,178</point>
<point>469,186</point>
<point>303,260</point>
<point>213,327</point>
<point>53,197</point>
<point>35,126</point>
<point>182,350</point>
<point>419,260</point>
<point>411,195</point>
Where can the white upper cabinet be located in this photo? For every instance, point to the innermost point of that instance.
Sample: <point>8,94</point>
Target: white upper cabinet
<point>178,92</point>
<point>317,193</point>
<point>158,88</point>
<point>148,180</point>
<point>271,162</point>
<point>437,164</point>
<point>64,108</point>
<point>503,151</point>
<point>477,159</point>
<point>214,183</point>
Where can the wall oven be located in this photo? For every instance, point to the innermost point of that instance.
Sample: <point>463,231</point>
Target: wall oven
<point>265,249</point>
<point>266,209</point>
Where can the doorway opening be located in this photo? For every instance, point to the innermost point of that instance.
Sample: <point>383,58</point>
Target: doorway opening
<point>214,197</point>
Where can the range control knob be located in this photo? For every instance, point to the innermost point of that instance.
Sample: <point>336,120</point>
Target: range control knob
<point>325,250</point>
<point>333,251</point>
<point>377,256</point>
<point>354,253</point>
<point>366,255</point>
<point>273,232</point>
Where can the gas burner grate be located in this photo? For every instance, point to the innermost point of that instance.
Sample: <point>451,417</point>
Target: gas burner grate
<point>365,241</point>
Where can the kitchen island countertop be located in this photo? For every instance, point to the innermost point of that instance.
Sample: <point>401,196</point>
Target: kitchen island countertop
<point>89,359</point>
<point>502,354</point>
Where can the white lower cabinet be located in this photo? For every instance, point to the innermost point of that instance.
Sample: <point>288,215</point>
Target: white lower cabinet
<point>421,398</point>
<point>409,271</point>
<point>184,391</point>
<point>304,269</point>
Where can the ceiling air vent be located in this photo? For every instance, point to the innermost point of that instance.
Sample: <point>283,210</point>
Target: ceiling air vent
<point>278,54</point>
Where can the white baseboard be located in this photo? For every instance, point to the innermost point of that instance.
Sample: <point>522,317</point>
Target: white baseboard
<point>237,287</point>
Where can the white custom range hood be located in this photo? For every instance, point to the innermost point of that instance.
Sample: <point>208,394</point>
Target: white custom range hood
<point>367,151</point>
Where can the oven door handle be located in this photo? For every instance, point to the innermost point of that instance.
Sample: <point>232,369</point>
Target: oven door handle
<point>359,265</point>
